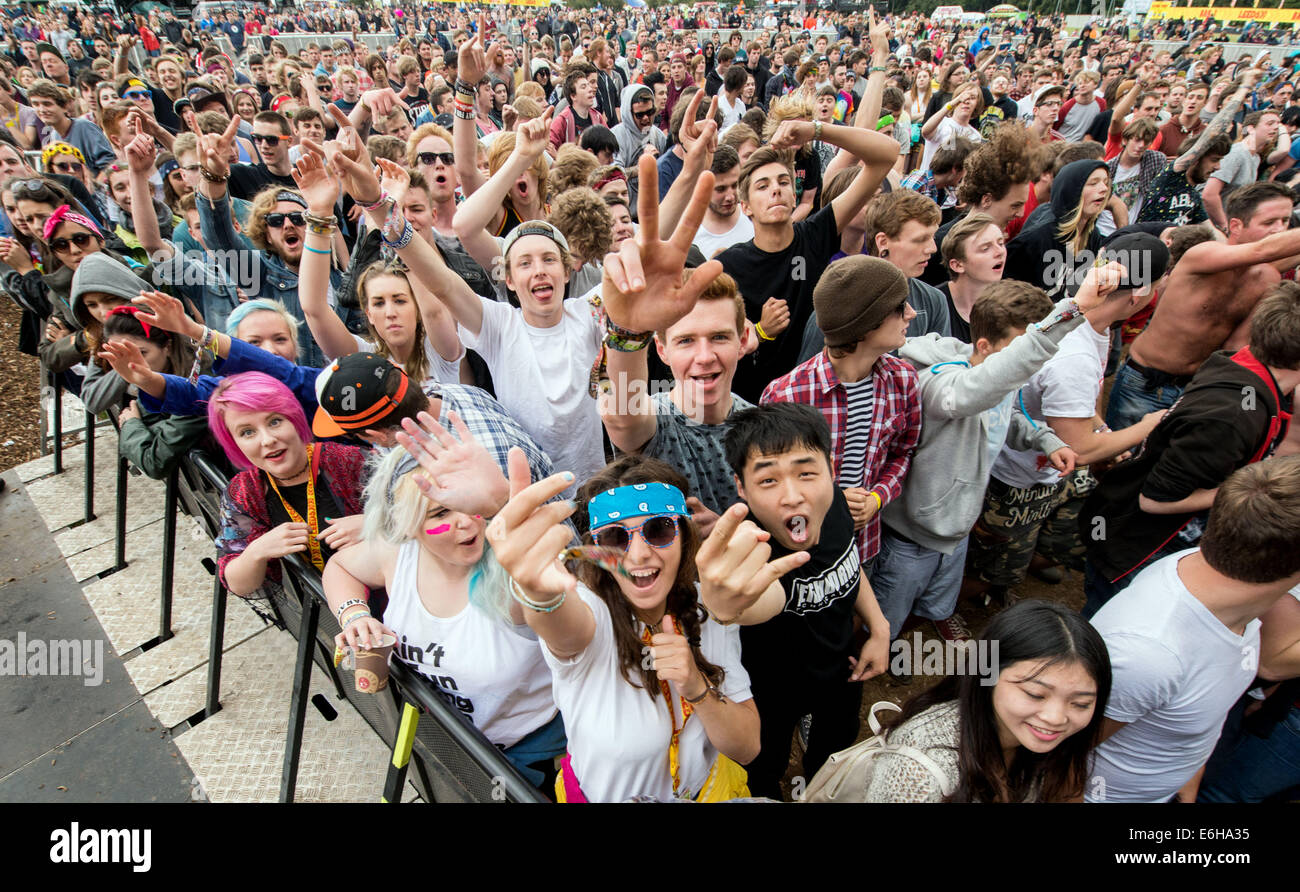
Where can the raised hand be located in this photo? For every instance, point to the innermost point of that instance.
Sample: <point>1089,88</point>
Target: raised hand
<point>381,102</point>
<point>346,139</point>
<point>358,178</point>
<point>141,152</point>
<point>471,60</point>
<point>643,287</point>
<point>791,135</point>
<point>528,534</point>
<point>315,182</point>
<point>215,149</point>
<point>693,130</point>
<point>532,137</point>
<point>460,475</point>
<point>734,567</point>
<point>393,179</point>
<point>167,313</point>
<point>878,32</point>
<point>126,359</point>
<point>1099,284</point>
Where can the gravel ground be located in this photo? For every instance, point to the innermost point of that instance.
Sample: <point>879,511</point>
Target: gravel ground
<point>20,393</point>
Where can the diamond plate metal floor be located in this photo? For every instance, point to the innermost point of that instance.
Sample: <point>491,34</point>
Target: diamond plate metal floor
<point>51,563</point>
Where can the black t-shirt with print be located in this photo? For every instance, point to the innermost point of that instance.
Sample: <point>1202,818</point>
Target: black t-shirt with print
<point>812,638</point>
<point>790,275</point>
<point>1172,199</point>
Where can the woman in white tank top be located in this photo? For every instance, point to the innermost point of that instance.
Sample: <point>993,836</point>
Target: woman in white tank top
<point>448,603</point>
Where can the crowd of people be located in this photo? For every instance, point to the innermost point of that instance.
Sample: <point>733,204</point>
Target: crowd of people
<point>648,381</point>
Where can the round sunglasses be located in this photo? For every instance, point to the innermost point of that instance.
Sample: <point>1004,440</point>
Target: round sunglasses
<point>659,531</point>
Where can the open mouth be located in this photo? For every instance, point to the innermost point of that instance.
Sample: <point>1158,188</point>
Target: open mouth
<point>522,188</point>
<point>797,525</point>
<point>543,292</point>
<point>706,380</point>
<point>440,179</point>
<point>292,241</point>
<point>276,456</point>
<point>643,579</point>
<point>468,543</point>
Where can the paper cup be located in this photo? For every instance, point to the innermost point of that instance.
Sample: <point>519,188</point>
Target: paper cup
<point>370,665</point>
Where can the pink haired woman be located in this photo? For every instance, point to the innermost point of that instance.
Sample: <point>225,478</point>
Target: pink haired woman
<point>291,489</point>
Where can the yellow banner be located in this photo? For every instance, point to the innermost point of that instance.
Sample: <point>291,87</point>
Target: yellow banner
<point>1165,10</point>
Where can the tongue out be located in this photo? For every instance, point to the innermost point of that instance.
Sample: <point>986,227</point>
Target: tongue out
<point>798,527</point>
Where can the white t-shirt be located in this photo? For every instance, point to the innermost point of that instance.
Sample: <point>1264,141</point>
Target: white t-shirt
<point>440,370</point>
<point>493,673</point>
<point>1067,386</point>
<point>711,243</point>
<point>618,736</point>
<point>1177,671</point>
<point>947,131</point>
<point>732,112</point>
<point>541,377</point>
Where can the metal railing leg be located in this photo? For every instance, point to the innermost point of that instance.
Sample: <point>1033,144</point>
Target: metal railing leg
<point>43,426</point>
<point>90,468</point>
<point>119,548</point>
<point>396,778</point>
<point>58,424</point>
<point>216,646</point>
<point>298,705</point>
<point>168,554</point>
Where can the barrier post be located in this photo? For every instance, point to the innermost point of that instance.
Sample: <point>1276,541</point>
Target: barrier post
<point>168,554</point>
<point>43,425</point>
<point>301,687</point>
<point>58,423</point>
<point>396,778</point>
<point>216,645</point>
<point>119,546</point>
<point>90,468</point>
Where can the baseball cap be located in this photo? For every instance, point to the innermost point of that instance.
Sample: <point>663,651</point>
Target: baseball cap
<point>534,227</point>
<point>1144,256</point>
<point>352,393</point>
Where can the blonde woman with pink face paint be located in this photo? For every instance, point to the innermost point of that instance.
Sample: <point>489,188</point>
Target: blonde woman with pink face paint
<point>449,606</point>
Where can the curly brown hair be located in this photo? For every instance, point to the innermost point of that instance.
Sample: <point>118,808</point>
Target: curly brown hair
<point>581,214</point>
<point>1009,158</point>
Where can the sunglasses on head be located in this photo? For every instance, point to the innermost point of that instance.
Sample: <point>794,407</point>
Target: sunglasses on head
<point>658,532</point>
<point>268,138</point>
<point>428,158</point>
<point>29,186</point>
<point>275,221</point>
<point>81,240</point>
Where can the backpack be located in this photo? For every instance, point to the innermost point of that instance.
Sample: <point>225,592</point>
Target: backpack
<point>847,774</point>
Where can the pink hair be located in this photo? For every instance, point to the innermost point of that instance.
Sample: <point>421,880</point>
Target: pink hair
<point>252,392</point>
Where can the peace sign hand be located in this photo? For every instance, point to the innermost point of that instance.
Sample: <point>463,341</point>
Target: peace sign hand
<point>644,287</point>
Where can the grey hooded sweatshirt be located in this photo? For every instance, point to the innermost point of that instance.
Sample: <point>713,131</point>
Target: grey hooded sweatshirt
<point>631,137</point>
<point>964,407</point>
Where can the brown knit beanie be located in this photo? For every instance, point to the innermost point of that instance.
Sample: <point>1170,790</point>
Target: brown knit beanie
<point>855,295</point>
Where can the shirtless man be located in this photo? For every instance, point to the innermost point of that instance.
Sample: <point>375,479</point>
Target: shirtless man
<point>1208,301</point>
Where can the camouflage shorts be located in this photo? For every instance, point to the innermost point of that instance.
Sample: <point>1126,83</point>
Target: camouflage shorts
<point>1018,522</point>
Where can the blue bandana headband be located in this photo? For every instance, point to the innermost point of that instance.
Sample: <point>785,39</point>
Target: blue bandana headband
<point>637,500</point>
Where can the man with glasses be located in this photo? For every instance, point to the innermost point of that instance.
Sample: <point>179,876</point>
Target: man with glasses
<point>636,132</point>
<point>1047,107</point>
<point>271,136</point>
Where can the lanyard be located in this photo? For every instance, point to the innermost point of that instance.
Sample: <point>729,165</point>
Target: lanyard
<point>674,745</point>
<point>313,522</point>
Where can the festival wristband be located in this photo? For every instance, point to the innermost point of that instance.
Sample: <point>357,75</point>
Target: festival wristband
<point>541,607</point>
<point>758,327</point>
<point>352,602</point>
<point>875,495</point>
<point>625,341</point>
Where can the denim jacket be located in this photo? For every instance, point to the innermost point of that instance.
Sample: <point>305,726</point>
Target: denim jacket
<point>261,274</point>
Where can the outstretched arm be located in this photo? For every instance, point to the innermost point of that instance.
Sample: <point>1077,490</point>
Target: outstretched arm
<point>321,190</point>
<point>1219,124</point>
<point>875,150</point>
<point>140,154</point>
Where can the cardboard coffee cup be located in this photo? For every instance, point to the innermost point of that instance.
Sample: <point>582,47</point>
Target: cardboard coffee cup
<point>370,665</point>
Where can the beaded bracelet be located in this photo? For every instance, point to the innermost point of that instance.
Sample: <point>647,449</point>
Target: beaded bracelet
<point>321,225</point>
<point>625,341</point>
<point>212,177</point>
<point>373,205</point>
<point>541,607</point>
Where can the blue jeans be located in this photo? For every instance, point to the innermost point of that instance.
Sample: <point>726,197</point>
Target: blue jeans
<point>1246,768</point>
<point>1133,396</point>
<point>911,578</point>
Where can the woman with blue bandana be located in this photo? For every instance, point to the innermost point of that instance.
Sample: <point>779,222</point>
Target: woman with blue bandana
<point>656,703</point>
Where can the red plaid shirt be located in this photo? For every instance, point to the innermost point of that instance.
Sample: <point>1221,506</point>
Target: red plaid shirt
<point>895,425</point>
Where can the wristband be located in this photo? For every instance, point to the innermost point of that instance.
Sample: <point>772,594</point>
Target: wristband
<point>625,341</point>
<point>758,327</point>
<point>358,615</point>
<point>212,177</point>
<point>879,503</point>
<point>541,607</point>
<point>874,68</point>
<point>327,223</point>
<point>351,602</point>
<point>408,232</point>
<point>317,250</point>
<point>373,205</point>
<point>817,131</point>
<point>708,689</point>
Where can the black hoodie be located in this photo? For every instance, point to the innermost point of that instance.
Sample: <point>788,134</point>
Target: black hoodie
<point>1037,256</point>
<point>1211,431</point>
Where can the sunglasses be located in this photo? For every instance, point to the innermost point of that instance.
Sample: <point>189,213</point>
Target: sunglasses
<point>275,221</point>
<point>428,158</point>
<point>269,139</point>
<point>136,95</point>
<point>68,167</point>
<point>81,240</point>
<point>658,532</point>
<point>31,186</point>
<point>644,115</point>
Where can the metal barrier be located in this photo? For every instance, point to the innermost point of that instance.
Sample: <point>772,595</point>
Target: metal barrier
<point>453,761</point>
